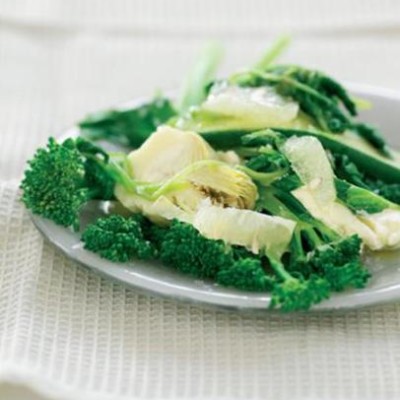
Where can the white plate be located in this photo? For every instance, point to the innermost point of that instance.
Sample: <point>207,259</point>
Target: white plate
<point>157,279</point>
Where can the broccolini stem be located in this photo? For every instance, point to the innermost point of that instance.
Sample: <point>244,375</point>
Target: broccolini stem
<point>264,178</point>
<point>246,151</point>
<point>279,269</point>
<point>297,244</point>
<point>275,206</point>
<point>312,237</point>
<point>120,176</point>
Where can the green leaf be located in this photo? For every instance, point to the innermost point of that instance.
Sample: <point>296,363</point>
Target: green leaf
<point>360,199</point>
<point>129,127</point>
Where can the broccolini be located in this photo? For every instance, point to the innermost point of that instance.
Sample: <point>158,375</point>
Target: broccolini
<point>61,178</point>
<point>118,239</point>
<point>264,181</point>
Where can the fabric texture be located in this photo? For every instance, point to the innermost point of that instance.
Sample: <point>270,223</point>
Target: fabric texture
<point>71,334</point>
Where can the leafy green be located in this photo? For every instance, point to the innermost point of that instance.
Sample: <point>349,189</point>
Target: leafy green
<point>348,171</point>
<point>360,199</point>
<point>318,95</point>
<point>130,127</point>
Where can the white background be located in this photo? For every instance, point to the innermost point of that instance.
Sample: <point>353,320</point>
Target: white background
<point>62,59</point>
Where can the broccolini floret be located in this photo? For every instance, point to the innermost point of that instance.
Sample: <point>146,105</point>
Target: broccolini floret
<point>179,246</point>
<point>316,250</point>
<point>340,264</point>
<point>184,248</point>
<point>246,274</point>
<point>303,279</point>
<point>294,292</point>
<point>62,177</point>
<point>319,261</point>
<point>118,239</point>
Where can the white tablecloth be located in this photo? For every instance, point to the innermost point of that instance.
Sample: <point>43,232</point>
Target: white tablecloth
<point>69,334</point>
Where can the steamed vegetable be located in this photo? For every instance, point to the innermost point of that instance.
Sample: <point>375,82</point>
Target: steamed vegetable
<point>319,196</point>
<point>264,181</point>
<point>61,178</point>
<point>255,231</point>
<point>272,97</point>
<point>321,258</point>
<point>246,274</point>
<point>130,126</point>
<point>314,241</point>
<point>184,248</point>
<point>234,108</point>
<point>118,239</point>
<point>270,237</point>
<point>184,191</point>
<point>185,170</point>
<point>363,157</point>
<point>369,179</point>
<point>318,95</point>
<point>167,152</point>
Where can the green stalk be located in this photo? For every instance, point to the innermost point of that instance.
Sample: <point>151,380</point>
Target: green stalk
<point>280,269</point>
<point>203,72</point>
<point>263,178</point>
<point>313,237</point>
<point>273,53</point>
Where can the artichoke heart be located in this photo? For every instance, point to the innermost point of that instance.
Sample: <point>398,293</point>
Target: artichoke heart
<point>166,152</point>
<point>208,179</point>
<point>217,181</point>
<point>181,168</point>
